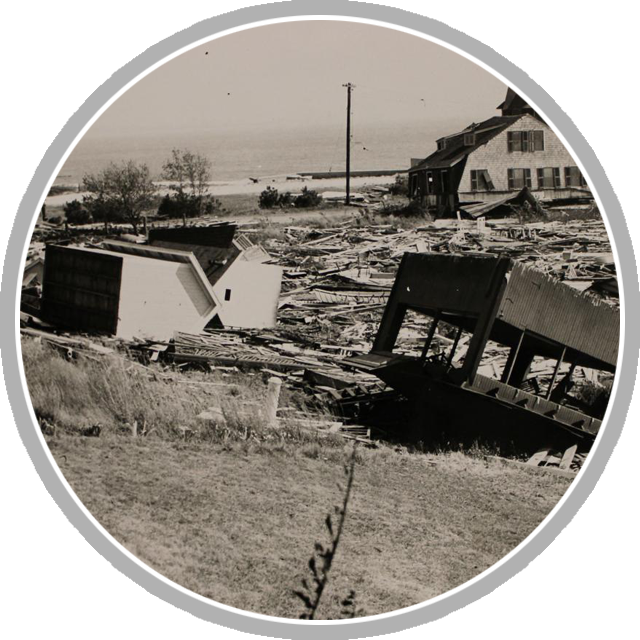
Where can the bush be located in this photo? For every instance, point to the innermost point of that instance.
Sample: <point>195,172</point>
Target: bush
<point>308,198</point>
<point>182,205</point>
<point>76,213</point>
<point>400,187</point>
<point>410,209</point>
<point>269,198</point>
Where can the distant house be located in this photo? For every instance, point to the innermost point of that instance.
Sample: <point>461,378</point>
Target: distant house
<point>247,287</point>
<point>579,81</point>
<point>126,290</point>
<point>489,161</point>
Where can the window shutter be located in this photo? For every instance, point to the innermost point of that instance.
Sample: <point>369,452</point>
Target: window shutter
<point>538,140</point>
<point>487,180</point>
<point>527,177</point>
<point>525,141</point>
<point>510,178</point>
<point>509,141</point>
<point>567,176</point>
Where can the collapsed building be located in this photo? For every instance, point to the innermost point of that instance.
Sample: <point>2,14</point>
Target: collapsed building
<point>483,299</point>
<point>126,290</point>
<point>248,288</point>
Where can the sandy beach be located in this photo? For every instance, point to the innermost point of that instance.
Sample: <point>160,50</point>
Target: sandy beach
<point>248,187</point>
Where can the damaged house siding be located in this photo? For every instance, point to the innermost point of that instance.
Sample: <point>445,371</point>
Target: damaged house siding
<point>495,157</point>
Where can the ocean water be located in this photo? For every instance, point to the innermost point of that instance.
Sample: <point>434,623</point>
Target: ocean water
<point>237,155</point>
<point>269,152</point>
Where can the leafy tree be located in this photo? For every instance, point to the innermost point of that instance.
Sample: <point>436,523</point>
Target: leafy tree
<point>121,192</point>
<point>189,175</point>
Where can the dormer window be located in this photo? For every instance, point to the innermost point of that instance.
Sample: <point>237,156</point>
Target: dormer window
<point>469,139</point>
<point>442,143</point>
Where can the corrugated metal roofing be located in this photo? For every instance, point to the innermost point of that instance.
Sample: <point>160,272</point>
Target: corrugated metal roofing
<point>543,306</point>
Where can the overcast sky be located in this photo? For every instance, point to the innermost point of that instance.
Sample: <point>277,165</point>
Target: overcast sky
<point>291,75</point>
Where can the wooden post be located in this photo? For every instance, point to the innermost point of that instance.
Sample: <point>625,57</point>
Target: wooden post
<point>454,346</point>
<point>511,360</point>
<point>485,321</point>
<point>273,397</point>
<point>432,332</point>
<point>555,373</point>
<point>349,87</point>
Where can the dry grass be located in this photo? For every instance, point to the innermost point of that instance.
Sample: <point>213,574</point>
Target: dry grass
<point>235,522</point>
<point>232,511</point>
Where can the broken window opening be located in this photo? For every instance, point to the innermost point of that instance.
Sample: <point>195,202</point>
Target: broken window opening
<point>481,181</point>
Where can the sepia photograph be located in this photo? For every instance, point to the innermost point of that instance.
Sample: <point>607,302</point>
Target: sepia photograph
<point>320,319</point>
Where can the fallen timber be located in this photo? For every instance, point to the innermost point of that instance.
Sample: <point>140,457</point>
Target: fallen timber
<point>319,348</point>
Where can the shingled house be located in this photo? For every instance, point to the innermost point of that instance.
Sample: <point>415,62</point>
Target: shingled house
<point>494,159</point>
<point>579,81</point>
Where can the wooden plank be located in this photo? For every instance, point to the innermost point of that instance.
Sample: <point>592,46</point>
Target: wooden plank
<point>538,457</point>
<point>567,458</point>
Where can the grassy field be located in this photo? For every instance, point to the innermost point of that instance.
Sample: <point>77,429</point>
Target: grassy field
<point>237,523</point>
<point>232,509</point>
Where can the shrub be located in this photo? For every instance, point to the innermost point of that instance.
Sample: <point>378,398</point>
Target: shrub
<point>409,209</point>
<point>269,198</point>
<point>76,213</point>
<point>400,187</point>
<point>307,199</point>
<point>182,205</point>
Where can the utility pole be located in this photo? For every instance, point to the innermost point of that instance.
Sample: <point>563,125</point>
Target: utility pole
<point>349,87</point>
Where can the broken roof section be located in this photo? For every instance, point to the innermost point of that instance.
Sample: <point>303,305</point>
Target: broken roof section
<point>502,208</point>
<point>520,299</point>
<point>247,287</point>
<point>127,290</point>
<point>215,246</point>
<point>494,299</point>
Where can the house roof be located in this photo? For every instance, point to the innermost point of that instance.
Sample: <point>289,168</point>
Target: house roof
<point>115,247</point>
<point>583,68</point>
<point>455,148</point>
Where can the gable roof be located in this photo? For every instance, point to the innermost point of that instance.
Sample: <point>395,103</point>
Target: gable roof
<point>583,68</point>
<point>455,149</point>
